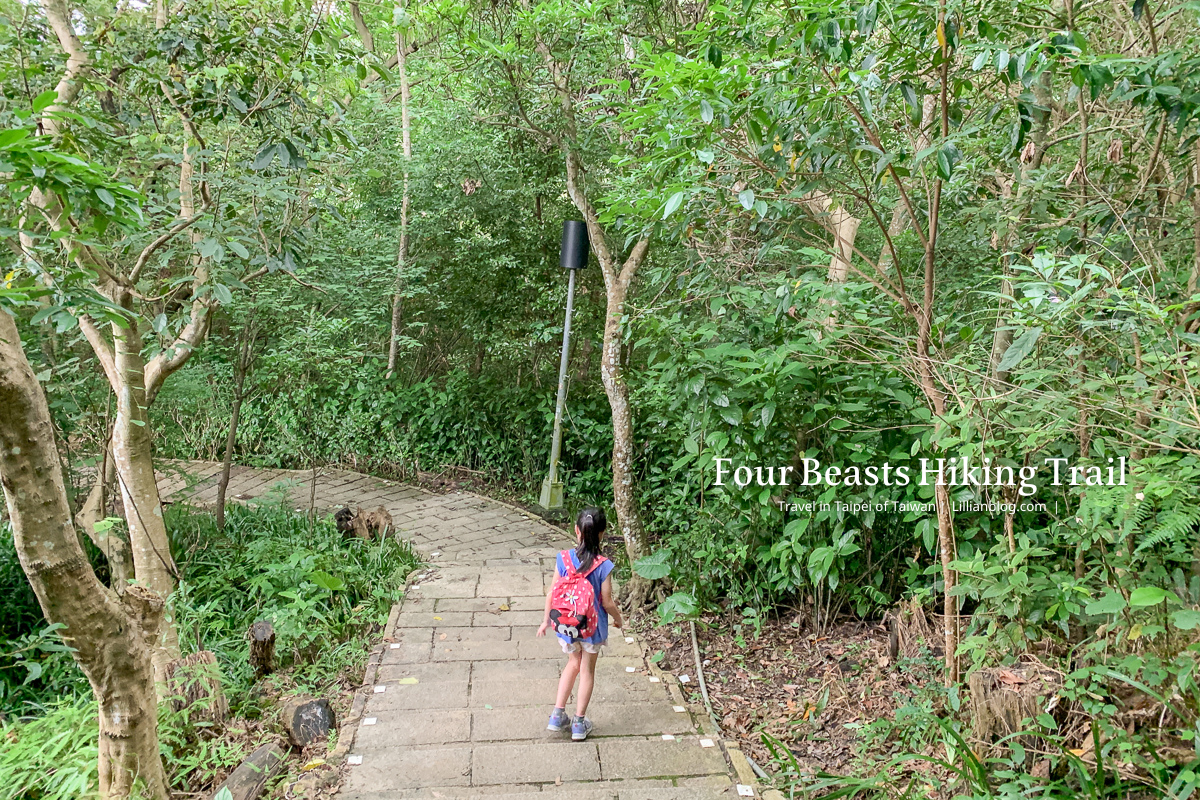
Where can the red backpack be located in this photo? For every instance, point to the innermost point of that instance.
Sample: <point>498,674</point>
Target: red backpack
<point>573,601</point>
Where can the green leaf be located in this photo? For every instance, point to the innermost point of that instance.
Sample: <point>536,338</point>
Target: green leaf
<point>1111,603</point>
<point>238,248</point>
<point>33,671</point>
<point>209,247</point>
<point>705,156</point>
<point>768,413</point>
<point>43,100</point>
<point>224,794</point>
<point>653,567</point>
<point>11,137</point>
<point>330,583</point>
<point>1147,596</point>
<point>680,604</point>
<point>222,293</point>
<point>673,203</point>
<point>264,157</point>
<point>1186,619</point>
<point>706,111</point>
<point>948,155</point>
<point>746,198</point>
<point>1021,347</point>
<point>866,18</point>
<point>106,197</point>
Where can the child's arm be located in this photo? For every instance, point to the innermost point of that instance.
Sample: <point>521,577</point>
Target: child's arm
<point>546,614</point>
<point>610,605</point>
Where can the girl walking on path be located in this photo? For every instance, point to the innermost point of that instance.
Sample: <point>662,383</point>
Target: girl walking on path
<point>577,610</point>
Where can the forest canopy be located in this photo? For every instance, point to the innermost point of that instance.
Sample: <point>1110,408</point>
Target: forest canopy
<point>833,243</point>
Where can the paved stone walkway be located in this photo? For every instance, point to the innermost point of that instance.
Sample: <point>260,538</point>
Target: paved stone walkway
<point>455,700</point>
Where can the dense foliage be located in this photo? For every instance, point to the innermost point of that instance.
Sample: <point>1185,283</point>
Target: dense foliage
<point>326,596</point>
<point>881,232</point>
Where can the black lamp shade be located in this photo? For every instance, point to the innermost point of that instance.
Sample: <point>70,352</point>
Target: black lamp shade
<point>574,253</point>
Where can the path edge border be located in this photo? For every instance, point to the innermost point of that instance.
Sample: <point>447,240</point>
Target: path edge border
<point>348,727</point>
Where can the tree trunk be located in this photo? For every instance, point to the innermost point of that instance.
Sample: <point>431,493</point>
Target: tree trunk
<point>947,543</point>
<point>617,278</point>
<point>262,648</point>
<point>624,498</point>
<point>240,368</point>
<point>402,251</point>
<point>113,545</point>
<point>1193,285</point>
<point>152,562</point>
<point>106,630</point>
<point>360,25</point>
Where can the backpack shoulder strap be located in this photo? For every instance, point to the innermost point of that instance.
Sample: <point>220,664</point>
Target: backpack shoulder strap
<point>597,561</point>
<point>568,565</point>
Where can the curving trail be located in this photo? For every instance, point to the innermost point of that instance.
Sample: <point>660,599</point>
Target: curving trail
<point>455,699</point>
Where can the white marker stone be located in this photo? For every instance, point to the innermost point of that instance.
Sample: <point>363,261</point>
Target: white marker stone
<point>628,640</point>
<point>668,737</point>
<point>745,791</point>
<point>380,689</point>
<point>707,743</point>
<point>630,669</point>
<point>370,721</point>
<point>655,679</point>
<point>679,709</point>
<point>354,761</point>
<point>684,679</point>
<point>394,645</point>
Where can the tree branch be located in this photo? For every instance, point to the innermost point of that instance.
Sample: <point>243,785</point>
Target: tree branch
<point>78,63</point>
<point>102,349</point>
<point>153,247</point>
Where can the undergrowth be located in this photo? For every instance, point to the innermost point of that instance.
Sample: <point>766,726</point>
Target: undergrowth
<point>325,595</point>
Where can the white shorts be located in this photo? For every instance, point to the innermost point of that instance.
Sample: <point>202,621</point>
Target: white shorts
<point>587,647</point>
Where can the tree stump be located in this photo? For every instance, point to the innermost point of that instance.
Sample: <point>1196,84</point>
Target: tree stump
<point>248,780</point>
<point>307,721</point>
<point>1002,698</point>
<point>262,647</point>
<point>194,683</point>
<point>366,525</point>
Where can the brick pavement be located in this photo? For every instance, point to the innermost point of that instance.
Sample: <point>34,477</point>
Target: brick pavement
<point>457,696</point>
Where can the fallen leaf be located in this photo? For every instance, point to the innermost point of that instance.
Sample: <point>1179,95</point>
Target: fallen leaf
<point>316,762</point>
<point>1010,678</point>
<point>442,637</point>
<point>504,607</point>
<point>407,681</point>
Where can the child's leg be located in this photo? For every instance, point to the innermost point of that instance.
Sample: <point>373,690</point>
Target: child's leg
<point>587,680</point>
<point>567,682</point>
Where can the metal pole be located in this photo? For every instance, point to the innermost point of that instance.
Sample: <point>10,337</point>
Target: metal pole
<point>552,487</point>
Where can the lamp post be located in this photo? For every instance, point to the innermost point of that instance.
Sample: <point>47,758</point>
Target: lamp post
<point>573,255</point>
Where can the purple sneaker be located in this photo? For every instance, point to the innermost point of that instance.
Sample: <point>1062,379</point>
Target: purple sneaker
<point>558,720</point>
<point>580,729</point>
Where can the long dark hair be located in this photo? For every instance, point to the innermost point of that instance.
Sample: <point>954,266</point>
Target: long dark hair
<point>591,524</point>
